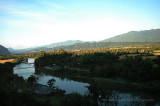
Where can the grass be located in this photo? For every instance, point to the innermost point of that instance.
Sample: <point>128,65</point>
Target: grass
<point>157,54</point>
<point>4,61</point>
<point>156,51</point>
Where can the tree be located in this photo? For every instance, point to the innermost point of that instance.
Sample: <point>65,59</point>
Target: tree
<point>51,82</point>
<point>61,51</point>
<point>31,79</point>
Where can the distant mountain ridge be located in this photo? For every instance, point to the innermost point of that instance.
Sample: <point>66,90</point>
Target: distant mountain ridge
<point>79,46</point>
<point>59,45</point>
<point>45,47</point>
<point>19,51</point>
<point>68,42</point>
<point>152,35</point>
<point>133,38</point>
<point>4,50</point>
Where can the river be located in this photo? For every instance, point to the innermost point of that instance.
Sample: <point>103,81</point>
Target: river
<point>70,86</point>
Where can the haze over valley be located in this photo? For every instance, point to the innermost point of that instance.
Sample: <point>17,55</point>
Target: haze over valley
<point>130,39</point>
<point>79,52</point>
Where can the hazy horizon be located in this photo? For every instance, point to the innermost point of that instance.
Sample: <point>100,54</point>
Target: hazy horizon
<point>33,23</point>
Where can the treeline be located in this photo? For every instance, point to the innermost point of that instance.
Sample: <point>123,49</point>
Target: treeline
<point>104,64</point>
<point>18,58</point>
<point>131,68</point>
<point>83,59</point>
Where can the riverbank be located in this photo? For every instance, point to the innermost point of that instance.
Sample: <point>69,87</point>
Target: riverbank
<point>95,87</point>
<point>152,87</point>
<point>14,90</point>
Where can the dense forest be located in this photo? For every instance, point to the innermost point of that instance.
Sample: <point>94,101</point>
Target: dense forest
<point>105,64</point>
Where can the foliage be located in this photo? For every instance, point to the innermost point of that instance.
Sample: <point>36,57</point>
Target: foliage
<point>137,36</point>
<point>4,50</point>
<point>104,45</point>
<point>104,63</point>
<point>31,79</point>
<point>51,82</point>
<point>14,90</point>
<point>75,99</point>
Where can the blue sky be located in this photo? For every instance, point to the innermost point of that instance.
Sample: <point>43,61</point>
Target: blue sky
<point>29,23</point>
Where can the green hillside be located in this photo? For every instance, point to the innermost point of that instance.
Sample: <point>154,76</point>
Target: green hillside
<point>130,39</point>
<point>79,46</point>
<point>152,35</point>
<point>3,50</point>
<point>68,42</point>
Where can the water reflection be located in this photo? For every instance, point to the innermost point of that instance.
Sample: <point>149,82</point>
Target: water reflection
<point>70,86</point>
<point>97,94</point>
<point>24,70</point>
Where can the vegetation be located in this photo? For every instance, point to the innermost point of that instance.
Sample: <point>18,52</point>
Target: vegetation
<point>16,58</point>
<point>31,79</point>
<point>4,51</point>
<point>51,82</point>
<point>14,90</point>
<point>137,36</point>
<point>4,61</point>
<point>68,42</point>
<point>100,45</point>
<point>105,64</point>
<point>99,67</point>
<point>144,38</point>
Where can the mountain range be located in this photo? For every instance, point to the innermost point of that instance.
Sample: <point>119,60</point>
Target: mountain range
<point>132,38</point>
<point>68,42</point>
<point>152,35</point>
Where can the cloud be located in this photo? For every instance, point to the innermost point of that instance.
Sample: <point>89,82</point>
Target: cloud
<point>32,33</point>
<point>23,11</point>
<point>27,26</point>
<point>49,3</point>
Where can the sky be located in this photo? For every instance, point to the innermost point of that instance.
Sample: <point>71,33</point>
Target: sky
<point>31,23</point>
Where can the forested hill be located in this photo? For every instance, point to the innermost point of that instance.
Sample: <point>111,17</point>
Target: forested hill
<point>106,45</point>
<point>130,39</point>
<point>3,50</point>
<point>152,35</point>
<point>79,46</point>
<point>68,42</point>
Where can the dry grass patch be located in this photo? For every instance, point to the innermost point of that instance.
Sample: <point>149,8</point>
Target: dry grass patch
<point>156,51</point>
<point>8,60</point>
<point>157,54</point>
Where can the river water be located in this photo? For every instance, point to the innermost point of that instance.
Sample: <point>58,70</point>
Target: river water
<point>70,86</point>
